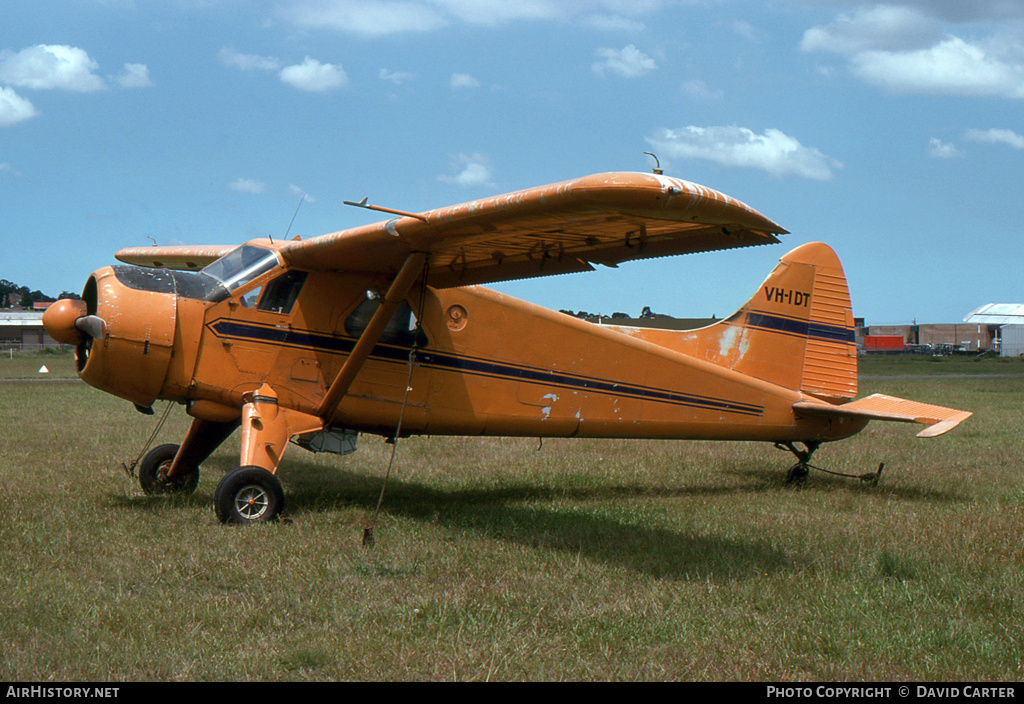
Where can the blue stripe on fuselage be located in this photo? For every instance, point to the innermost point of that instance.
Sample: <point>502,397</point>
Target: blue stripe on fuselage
<point>305,339</point>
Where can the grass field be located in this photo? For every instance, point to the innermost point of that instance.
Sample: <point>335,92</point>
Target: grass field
<point>581,560</point>
<point>27,365</point>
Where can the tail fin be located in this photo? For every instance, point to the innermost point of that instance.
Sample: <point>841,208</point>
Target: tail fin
<point>797,331</point>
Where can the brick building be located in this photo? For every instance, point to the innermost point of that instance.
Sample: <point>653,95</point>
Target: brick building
<point>23,330</point>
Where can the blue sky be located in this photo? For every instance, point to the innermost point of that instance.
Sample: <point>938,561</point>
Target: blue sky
<point>892,131</point>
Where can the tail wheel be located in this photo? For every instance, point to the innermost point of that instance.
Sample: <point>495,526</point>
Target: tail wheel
<point>248,495</point>
<point>797,473</point>
<point>154,468</point>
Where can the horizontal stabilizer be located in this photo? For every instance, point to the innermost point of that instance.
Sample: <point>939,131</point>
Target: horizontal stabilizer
<point>881,407</point>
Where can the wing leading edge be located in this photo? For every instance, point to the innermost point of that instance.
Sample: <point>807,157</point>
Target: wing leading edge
<point>560,228</point>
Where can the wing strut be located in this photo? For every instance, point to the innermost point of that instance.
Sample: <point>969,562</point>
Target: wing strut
<point>400,287</point>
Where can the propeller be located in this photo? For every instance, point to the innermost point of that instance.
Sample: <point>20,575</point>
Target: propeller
<point>67,321</point>
<point>92,325</point>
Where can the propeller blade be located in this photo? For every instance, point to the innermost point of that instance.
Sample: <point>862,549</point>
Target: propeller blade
<point>93,326</point>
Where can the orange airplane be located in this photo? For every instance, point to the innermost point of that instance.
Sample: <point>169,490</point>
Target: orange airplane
<point>384,329</point>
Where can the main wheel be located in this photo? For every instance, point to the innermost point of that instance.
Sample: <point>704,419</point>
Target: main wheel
<point>153,473</point>
<point>248,495</point>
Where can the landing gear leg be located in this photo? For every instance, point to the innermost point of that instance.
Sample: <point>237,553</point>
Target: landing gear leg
<point>252,493</point>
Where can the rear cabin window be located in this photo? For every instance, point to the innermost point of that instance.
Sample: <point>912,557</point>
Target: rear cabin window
<point>400,331</point>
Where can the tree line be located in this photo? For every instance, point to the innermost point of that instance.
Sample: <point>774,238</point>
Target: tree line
<point>14,296</point>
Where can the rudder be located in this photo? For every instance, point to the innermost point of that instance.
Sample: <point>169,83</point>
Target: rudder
<point>797,331</point>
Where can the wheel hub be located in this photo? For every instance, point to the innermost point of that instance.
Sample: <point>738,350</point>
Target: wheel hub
<point>251,502</point>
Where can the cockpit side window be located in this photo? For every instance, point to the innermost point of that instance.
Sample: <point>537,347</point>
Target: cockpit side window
<point>240,266</point>
<point>280,294</point>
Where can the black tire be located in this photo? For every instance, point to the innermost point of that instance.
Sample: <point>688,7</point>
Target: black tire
<point>248,495</point>
<point>797,474</point>
<point>153,473</point>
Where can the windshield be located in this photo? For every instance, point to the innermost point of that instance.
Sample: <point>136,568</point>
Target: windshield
<point>240,266</point>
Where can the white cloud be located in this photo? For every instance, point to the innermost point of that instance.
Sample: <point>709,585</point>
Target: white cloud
<point>613,23</point>
<point>363,17</point>
<point>134,76</point>
<point>628,61</point>
<point>14,108</point>
<point>773,151</point>
<point>952,67</point>
<point>996,136</point>
<point>311,75</point>
<point>903,49</point>
<point>396,77</point>
<point>247,62</point>
<point>306,198</point>
<point>50,66</point>
<point>496,12</point>
<point>382,17</point>
<point>462,80</point>
<point>937,149</point>
<point>875,29</point>
<point>474,171</point>
<point>247,185</point>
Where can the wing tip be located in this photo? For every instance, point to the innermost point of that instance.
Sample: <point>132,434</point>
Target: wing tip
<point>945,425</point>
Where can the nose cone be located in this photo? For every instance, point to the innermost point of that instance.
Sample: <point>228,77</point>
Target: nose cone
<point>60,318</point>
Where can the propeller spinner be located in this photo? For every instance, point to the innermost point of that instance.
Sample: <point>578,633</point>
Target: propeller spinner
<point>67,322</point>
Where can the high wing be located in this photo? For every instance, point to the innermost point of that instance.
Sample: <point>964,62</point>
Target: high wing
<point>555,229</point>
<point>560,228</point>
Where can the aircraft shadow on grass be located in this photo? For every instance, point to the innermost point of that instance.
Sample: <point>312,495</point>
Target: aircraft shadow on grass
<point>513,513</point>
<point>509,513</point>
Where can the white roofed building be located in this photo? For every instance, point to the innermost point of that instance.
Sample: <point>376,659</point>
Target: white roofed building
<point>1009,319</point>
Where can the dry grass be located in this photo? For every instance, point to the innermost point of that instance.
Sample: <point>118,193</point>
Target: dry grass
<point>495,560</point>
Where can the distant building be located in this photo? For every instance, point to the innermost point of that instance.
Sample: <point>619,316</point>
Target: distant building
<point>1007,322</point>
<point>959,337</point>
<point>24,330</point>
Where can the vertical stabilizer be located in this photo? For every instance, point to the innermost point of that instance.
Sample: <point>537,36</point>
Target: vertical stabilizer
<point>797,331</point>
